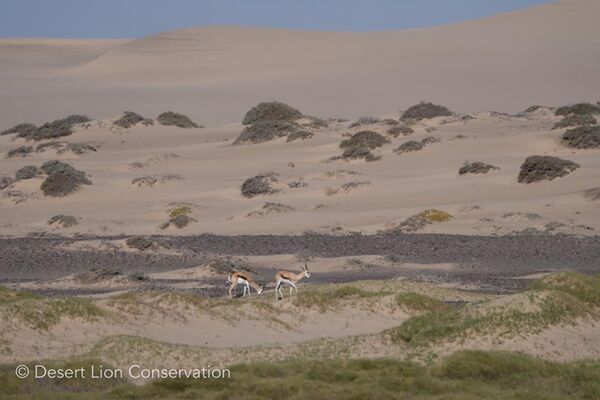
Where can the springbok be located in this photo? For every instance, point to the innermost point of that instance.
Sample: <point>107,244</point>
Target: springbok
<point>289,278</point>
<point>240,278</point>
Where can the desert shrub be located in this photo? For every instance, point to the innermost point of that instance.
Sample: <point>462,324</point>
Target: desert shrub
<point>180,211</point>
<point>22,151</point>
<point>150,181</point>
<point>400,130</point>
<point>532,109</point>
<point>77,148</point>
<point>540,168</point>
<point>263,131</point>
<point>270,208</point>
<point>299,135</point>
<point>259,185</point>
<point>24,129</point>
<point>48,145</point>
<point>171,118</point>
<point>417,302</point>
<point>590,194</point>
<point>55,129</point>
<point>271,111</point>
<point>368,139</point>
<point>411,145</point>
<point>54,165</point>
<point>297,184</point>
<point>476,167</point>
<point>129,119</point>
<point>140,243</point>
<point>62,179</point>
<point>181,221</point>
<point>426,111</point>
<point>575,120</point>
<point>578,109</point>
<point>419,221</point>
<point>584,137</point>
<point>27,172</point>
<point>346,187</point>
<point>66,221</point>
<point>315,122</point>
<point>367,120</point>
<point>359,152</point>
<point>6,181</point>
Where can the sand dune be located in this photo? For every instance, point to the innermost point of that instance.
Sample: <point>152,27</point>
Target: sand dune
<point>505,62</point>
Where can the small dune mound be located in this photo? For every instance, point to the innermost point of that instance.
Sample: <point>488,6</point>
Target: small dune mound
<point>582,287</point>
<point>271,111</point>
<point>400,130</point>
<point>62,179</point>
<point>575,120</point>
<point>299,135</point>
<point>358,153</point>
<point>264,131</point>
<point>22,129</point>
<point>54,129</point>
<point>410,146</point>
<point>590,194</point>
<point>129,119</point>
<point>270,209</point>
<point>65,221</point>
<point>22,151</point>
<point>183,210</point>
<point>367,120</point>
<point>584,137</point>
<point>578,109</point>
<point>27,172</point>
<point>346,187</point>
<point>259,185</point>
<point>476,167</point>
<point>542,168</point>
<point>171,118</point>
<point>144,243</point>
<point>6,181</point>
<point>369,139</point>
<point>152,180</point>
<point>424,110</point>
<point>533,109</point>
<point>179,222</point>
<point>421,220</point>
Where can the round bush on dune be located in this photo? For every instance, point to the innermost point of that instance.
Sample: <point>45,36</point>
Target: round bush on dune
<point>575,120</point>
<point>368,139</point>
<point>55,129</point>
<point>578,109</point>
<point>426,111</point>
<point>171,118</point>
<point>27,172</point>
<point>411,145</point>
<point>541,168</point>
<point>25,129</point>
<point>264,131</point>
<point>476,167</point>
<point>584,137</point>
<point>22,151</point>
<point>66,221</point>
<point>271,111</point>
<point>129,119</point>
<point>258,185</point>
<point>62,179</point>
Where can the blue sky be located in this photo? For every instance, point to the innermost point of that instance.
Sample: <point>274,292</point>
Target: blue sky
<point>135,18</point>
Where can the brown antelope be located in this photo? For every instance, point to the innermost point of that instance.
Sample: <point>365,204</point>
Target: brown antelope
<point>289,278</point>
<point>241,278</point>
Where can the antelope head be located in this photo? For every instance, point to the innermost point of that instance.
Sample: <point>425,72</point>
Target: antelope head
<point>305,270</point>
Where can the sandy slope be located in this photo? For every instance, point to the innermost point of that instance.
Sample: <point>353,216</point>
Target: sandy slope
<point>546,54</point>
<point>212,171</point>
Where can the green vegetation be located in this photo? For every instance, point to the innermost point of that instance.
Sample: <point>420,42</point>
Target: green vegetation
<point>555,299</point>
<point>43,313</point>
<point>330,299</point>
<point>464,375</point>
<point>434,215</point>
<point>180,211</point>
<point>417,302</point>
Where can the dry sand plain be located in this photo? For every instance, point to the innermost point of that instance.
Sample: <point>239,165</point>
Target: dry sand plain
<point>380,275</point>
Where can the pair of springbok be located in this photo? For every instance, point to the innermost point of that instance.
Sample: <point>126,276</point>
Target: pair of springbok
<point>281,278</point>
